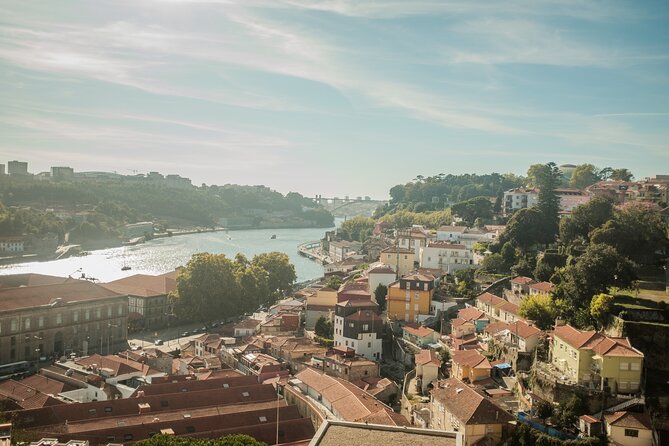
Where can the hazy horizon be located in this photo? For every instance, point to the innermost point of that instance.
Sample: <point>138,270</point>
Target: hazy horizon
<point>333,97</point>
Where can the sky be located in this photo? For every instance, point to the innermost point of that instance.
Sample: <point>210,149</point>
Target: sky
<point>333,97</point>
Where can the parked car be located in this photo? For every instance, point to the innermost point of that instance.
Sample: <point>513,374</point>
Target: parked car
<point>185,333</point>
<point>158,342</point>
<point>203,329</point>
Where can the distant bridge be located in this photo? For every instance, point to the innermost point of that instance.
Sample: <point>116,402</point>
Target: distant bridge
<point>334,203</point>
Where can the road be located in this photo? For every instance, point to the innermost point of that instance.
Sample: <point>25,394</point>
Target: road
<point>170,336</point>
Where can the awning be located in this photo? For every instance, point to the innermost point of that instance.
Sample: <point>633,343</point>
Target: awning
<point>503,365</point>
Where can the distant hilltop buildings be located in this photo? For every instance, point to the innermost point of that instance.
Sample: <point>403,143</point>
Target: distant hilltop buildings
<point>66,173</point>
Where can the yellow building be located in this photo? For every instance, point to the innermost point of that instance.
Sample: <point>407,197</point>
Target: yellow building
<point>470,365</point>
<point>454,406</point>
<point>410,297</point>
<point>588,357</point>
<point>400,260</point>
<point>321,303</point>
<point>629,429</point>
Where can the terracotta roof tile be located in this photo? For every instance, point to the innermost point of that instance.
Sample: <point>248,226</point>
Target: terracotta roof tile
<point>629,419</point>
<point>427,356</point>
<point>467,405</point>
<point>420,332</point>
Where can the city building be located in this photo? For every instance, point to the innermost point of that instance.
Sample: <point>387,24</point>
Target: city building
<point>427,368</point>
<point>593,359</point>
<point>358,326</point>
<point>454,406</point>
<point>497,308</point>
<point>320,304</point>
<point>17,168</point>
<point>53,320</point>
<point>521,198</point>
<point>541,288</point>
<point>12,245</point>
<point>413,239</point>
<point>247,327</point>
<point>61,172</point>
<point>341,249</point>
<point>410,297</point>
<point>380,274</point>
<point>468,237</point>
<point>629,429</point>
<point>400,260</point>
<point>148,302</point>
<point>446,256</point>
<point>421,336</point>
<point>343,363</point>
<point>341,433</point>
<point>229,405</point>
<point>470,366</point>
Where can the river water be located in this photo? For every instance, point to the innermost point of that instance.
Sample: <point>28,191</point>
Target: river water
<point>165,254</point>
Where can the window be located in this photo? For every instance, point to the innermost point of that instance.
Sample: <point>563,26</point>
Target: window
<point>245,394</point>
<point>109,311</point>
<point>624,366</point>
<point>87,315</point>
<point>120,310</point>
<point>108,409</point>
<point>262,419</point>
<point>365,327</point>
<point>636,366</point>
<point>92,411</point>
<point>634,385</point>
<point>369,345</point>
<point>407,306</point>
<point>75,316</point>
<point>12,341</point>
<point>128,437</point>
<point>631,433</point>
<point>40,322</point>
<point>98,313</point>
<point>164,403</point>
<point>14,325</point>
<point>59,319</point>
<point>415,307</point>
<point>26,323</point>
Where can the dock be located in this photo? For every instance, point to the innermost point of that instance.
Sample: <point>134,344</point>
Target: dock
<point>312,251</point>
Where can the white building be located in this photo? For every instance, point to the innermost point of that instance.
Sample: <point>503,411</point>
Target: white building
<point>358,326</point>
<point>381,274</point>
<point>469,236</point>
<point>11,244</point>
<point>414,238</point>
<point>446,256</point>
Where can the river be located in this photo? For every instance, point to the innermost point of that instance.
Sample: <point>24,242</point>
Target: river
<point>165,254</point>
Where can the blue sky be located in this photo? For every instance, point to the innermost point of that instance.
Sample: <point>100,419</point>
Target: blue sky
<point>340,97</point>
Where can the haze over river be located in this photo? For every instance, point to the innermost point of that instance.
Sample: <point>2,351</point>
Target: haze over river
<point>165,254</point>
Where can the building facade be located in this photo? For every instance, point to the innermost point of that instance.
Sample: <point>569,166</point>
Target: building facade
<point>409,298</point>
<point>53,320</point>
<point>358,326</point>
<point>446,256</point>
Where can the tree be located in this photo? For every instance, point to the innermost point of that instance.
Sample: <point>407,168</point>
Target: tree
<point>533,173</point>
<point>540,309</point>
<point>323,328</point>
<point>207,289</point>
<point>600,267</point>
<point>548,203</point>
<point>380,294</point>
<point>621,175</point>
<point>636,231</point>
<point>253,287</point>
<point>228,440</point>
<point>334,282</point>
<point>280,272</point>
<point>357,229</point>
<point>585,218</point>
<point>494,263</point>
<point>525,229</point>
<point>600,308</point>
<point>583,176</point>
<point>508,253</point>
<point>470,210</point>
<point>569,410</point>
<point>547,263</point>
<point>543,410</point>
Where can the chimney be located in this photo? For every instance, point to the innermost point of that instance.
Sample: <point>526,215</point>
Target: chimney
<point>144,408</point>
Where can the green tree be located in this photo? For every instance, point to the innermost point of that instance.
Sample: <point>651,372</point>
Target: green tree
<point>228,440</point>
<point>599,268</point>
<point>543,410</point>
<point>280,272</point>
<point>207,289</point>
<point>540,309</point>
<point>509,255</point>
<point>584,175</point>
<point>584,219</point>
<point>472,209</point>
<point>621,175</point>
<point>547,263</point>
<point>334,282</point>
<point>636,231</point>
<point>548,203</point>
<point>525,229</point>
<point>600,308</point>
<point>569,410</point>
<point>323,328</point>
<point>380,294</point>
<point>357,228</point>
<point>494,263</point>
<point>253,287</point>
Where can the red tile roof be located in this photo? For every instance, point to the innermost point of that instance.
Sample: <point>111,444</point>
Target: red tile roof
<point>420,332</point>
<point>522,280</point>
<point>629,419</point>
<point>472,314</point>
<point>543,287</point>
<point>591,340</point>
<point>498,302</point>
<point>427,357</point>
<point>471,358</point>
<point>467,405</point>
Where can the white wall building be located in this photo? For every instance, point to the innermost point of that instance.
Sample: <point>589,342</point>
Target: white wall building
<point>380,274</point>
<point>446,256</point>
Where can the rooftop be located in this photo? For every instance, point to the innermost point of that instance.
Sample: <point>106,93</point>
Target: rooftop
<point>342,433</point>
<point>42,295</point>
<point>467,405</point>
